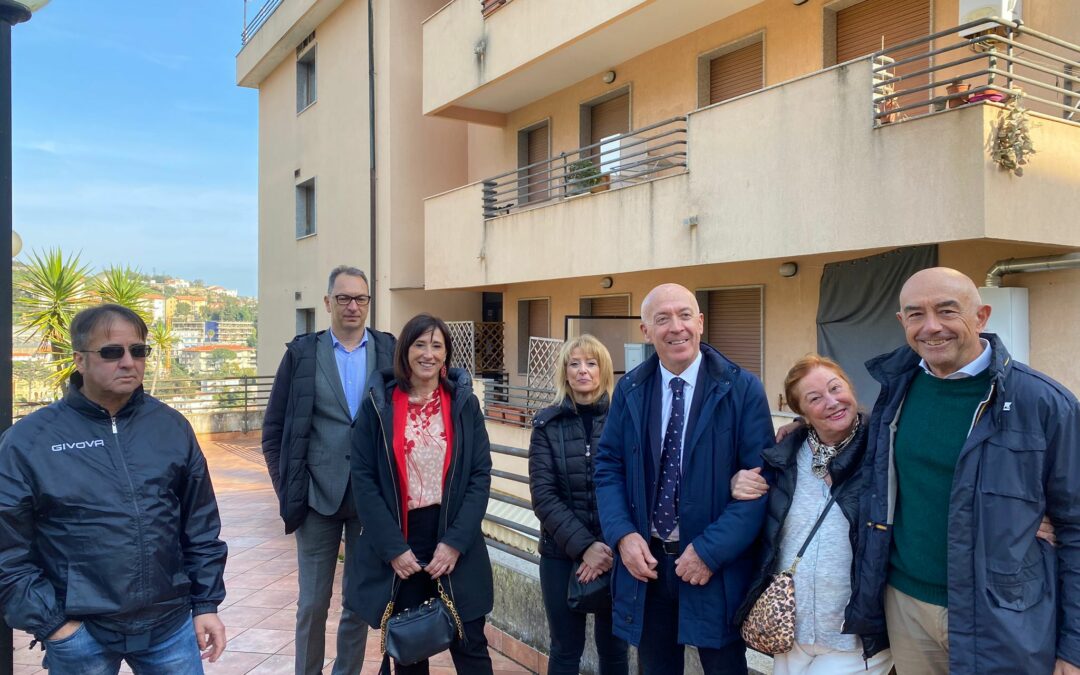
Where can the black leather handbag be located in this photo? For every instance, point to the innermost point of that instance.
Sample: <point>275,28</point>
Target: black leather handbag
<point>589,598</point>
<point>420,632</point>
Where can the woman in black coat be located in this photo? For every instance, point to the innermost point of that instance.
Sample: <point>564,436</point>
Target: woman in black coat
<point>563,497</point>
<point>421,474</point>
<point>812,463</point>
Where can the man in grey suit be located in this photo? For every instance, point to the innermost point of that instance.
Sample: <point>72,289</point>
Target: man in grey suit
<point>317,392</point>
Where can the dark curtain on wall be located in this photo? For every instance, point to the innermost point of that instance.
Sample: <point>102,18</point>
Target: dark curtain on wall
<point>857,308</point>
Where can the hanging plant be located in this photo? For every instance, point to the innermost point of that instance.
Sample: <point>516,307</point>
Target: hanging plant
<point>1012,142</point>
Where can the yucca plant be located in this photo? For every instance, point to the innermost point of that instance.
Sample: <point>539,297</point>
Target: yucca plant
<point>162,339</point>
<point>52,288</point>
<point>124,286</point>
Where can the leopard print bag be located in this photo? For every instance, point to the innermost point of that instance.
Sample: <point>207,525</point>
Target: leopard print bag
<point>770,626</point>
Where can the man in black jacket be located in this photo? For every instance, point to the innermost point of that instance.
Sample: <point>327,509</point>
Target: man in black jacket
<point>109,546</point>
<point>317,391</point>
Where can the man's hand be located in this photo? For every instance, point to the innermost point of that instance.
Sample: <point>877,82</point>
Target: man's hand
<point>1046,531</point>
<point>67,630</point>
<point>444,560</point>
<point>1065,668</point>
<point>691,568</point>
<point>405,565</point>
<point>783,431</point>
<point>637,558</point>
<point>599,557</point>
<point>210,634</point>
<point>748,484</point>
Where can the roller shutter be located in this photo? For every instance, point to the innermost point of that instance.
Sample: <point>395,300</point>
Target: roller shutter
<point>735,325</point>
<point>736,73</point>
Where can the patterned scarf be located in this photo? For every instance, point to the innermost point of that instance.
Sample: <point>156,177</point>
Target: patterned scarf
<point>824,454</point>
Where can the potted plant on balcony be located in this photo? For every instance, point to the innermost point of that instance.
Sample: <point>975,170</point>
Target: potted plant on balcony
<point>583,176</point>
<point>957,88</point>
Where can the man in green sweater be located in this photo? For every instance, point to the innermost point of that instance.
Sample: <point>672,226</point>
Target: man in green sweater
<point>968,451</point>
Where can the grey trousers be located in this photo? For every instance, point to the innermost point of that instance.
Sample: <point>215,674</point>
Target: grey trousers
<point>317,542</point>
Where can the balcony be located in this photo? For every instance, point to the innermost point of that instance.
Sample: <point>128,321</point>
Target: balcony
<point>272,33</point>
<point>480,68</point>
<point>820,164</point>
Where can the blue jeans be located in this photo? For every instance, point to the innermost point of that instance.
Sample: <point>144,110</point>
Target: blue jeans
<point>567,628</point>
<point>80,654</point>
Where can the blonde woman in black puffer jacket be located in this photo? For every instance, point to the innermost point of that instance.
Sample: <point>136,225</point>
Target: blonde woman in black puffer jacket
<point>564,499</point>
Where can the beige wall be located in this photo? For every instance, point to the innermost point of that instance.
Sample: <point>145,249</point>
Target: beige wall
<point>794,169</point>
<point>416,156</point>
<point>311,142</point>
<point>664,80</point>
<point>790,305</point>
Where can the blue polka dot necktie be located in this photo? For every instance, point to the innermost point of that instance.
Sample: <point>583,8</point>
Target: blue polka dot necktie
<point>666,512</point>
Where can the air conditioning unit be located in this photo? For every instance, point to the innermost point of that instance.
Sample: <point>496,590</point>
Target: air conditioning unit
<point>973,10</point>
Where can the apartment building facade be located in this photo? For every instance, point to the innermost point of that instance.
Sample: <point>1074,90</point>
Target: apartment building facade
<point>344,166</point>
<point>759,153</point>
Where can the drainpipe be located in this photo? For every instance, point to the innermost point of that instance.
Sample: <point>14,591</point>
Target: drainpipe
<point>373,269</point>
<point>1043,264</point>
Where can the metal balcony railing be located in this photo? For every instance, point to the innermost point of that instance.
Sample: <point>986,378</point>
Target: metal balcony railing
<point>251,27</point>
<point>198,395</point>
<point>924,76</point>
<point>515,406</point>
<point>617,161</point>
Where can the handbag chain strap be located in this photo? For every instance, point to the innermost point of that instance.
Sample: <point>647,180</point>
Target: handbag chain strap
<point>389,611</point>
<point>453,610</point>
<point>799,555</point>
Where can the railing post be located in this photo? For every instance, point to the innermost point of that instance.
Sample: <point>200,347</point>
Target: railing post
<point>1009,60</point>
<point>489,199</point>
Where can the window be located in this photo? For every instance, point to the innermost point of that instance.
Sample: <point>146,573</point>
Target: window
<point>305,320</point>
<point>305,208</point>
<point>733,324</point>
<point>731,71</point>
<point>533,147</point>
<point>533,321</point>
<point>605,305</point>
<point>306,79</point>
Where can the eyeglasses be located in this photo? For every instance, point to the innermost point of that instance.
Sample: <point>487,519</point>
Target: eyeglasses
<point>116,352</point>
<point>346,300</point>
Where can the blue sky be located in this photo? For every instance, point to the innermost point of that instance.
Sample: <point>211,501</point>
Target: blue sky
<point>132,142</point>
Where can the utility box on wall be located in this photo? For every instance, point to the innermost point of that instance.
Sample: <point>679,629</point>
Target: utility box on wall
<point>1009,319</point>
<point>973,10</point>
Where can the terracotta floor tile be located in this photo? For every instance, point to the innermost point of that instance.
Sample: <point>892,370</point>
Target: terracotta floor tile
<point>261,640</point>
<point>275,599</point>
<point>234,663</point>
<point>237,618</point>
<point>278,566</point>
<point>282,619</point>
<point>235,596</point>
<point>251,580</point>
<point>275,665</point>
<point>257,554</point>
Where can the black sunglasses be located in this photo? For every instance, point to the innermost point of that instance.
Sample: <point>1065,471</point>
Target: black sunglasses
<point>345,300</point>
<point>116,352</point>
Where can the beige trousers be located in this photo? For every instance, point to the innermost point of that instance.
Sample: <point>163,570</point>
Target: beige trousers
<point>918,634</point>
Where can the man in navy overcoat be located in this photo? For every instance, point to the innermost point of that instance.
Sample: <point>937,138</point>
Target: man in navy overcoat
<point>680,425</point>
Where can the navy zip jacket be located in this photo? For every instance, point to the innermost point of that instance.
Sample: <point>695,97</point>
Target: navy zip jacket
<point>109,520</point>
<point>1014,601</point>
<point>726,431</point>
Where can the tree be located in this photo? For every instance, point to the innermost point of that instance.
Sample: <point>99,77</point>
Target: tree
<point>52,288</point>
<point>124,286</point>
<point>162,339</point>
